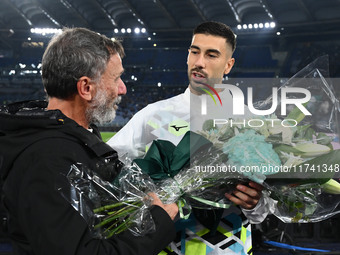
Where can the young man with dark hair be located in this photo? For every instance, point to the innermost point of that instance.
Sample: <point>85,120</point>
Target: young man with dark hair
<point>208,231</point>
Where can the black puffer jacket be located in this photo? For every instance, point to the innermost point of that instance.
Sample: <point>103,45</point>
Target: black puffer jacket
<point>37,148</point>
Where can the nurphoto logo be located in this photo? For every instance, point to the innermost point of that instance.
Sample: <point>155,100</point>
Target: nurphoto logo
<point>238,100</point>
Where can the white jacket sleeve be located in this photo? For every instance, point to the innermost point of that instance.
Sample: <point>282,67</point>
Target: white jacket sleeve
<point>128,140</point>
<point>149,124</point>
<point>265,206</point>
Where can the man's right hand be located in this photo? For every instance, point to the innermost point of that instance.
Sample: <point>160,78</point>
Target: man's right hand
<point>171,209</point>
<point>246,196</point>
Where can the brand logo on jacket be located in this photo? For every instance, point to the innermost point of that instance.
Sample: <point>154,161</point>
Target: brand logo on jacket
<point>178,127</point>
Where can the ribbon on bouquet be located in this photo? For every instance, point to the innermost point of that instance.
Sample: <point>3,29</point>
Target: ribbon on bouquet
<point>164,160</point>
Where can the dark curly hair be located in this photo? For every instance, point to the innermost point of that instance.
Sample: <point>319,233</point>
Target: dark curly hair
<point>217,29</point>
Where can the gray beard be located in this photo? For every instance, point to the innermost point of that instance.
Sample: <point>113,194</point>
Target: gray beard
<point>101,110</point>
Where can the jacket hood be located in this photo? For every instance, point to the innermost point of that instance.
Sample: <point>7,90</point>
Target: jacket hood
<point>24,123</point>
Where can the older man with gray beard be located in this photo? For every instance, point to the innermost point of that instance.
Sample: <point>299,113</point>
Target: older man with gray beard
<point>40,141</point>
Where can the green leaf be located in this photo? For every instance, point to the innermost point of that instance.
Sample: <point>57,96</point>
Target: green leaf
<point>208,125</point>
<point>296,114</point>
<point>297,217</point>
<point>309,134</point>
<point>324,139</point>
<point>301,131</point>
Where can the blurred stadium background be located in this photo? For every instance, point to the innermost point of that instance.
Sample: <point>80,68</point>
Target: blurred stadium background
<point>276,38</point>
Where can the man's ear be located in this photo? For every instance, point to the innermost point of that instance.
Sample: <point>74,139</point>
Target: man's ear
<point>85,88</point>
<point>229,65</point>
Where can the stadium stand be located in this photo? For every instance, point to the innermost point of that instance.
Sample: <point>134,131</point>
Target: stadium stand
<point>162,72</point>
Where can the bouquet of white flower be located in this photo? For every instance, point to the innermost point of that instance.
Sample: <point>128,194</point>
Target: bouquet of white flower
<point>295,156</point>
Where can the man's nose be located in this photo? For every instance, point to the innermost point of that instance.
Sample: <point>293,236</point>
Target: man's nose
<point>122,88</point>
<point>200,61</point>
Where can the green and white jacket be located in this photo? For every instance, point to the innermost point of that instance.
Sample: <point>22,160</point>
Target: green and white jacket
<point>169,120</point>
